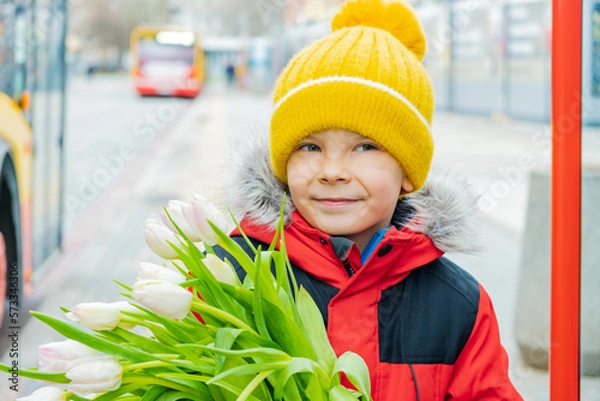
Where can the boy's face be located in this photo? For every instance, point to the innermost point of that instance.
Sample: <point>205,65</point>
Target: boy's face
<point>345,184</point>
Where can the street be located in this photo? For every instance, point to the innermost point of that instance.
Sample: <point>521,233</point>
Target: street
<point>107,126</point>
<point>128,156</point>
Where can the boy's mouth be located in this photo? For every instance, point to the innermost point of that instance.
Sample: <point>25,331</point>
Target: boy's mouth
<point>335,202</point>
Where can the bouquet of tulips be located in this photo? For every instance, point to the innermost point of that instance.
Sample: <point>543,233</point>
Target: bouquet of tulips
<point>190,330</point>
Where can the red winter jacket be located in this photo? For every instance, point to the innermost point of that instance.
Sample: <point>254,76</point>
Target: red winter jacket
<point>425,327</point>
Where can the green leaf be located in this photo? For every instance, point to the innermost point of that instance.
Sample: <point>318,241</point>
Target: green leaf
<point>176,328</point>
<point>268,353</point>
<point>207,286</point>
<point>36,374</point>
<point>220,315</point>
<point>314,328</point>
<point>242,233</point>
<point>124,389</point>
<point>178,395</point>
<point>341,393</point>
<point>190,387</point>
<point>285,332</point>
<point>257,302</point>
<point>236,390</point>
<point>235,250</point>
<point>248,370</point>
<point>185,376</point>
<point>153,393</point>
<point>315,390</point>
<point>128,288</point>
<point>282,328</point>
<point>254,383</point>
<point>70,331</point>
<point>356,370</point>
<point>270,284</point>
<point>142,342</point>
<point>297,365</point>
<point>290,392</point>
<point>224,339</point>
<point>285,293</point>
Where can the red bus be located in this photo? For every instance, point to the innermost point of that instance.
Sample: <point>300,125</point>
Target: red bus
<point>166,61</point>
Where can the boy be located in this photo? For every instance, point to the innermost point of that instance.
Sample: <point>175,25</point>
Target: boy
<point>350,142</point>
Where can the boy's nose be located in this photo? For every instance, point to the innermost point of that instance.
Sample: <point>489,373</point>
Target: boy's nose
<point>333,170</point>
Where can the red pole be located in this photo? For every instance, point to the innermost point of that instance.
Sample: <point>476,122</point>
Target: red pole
<point>566,200</point>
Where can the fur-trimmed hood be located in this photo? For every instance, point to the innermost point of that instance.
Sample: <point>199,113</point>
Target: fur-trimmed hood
<point>444,209</point>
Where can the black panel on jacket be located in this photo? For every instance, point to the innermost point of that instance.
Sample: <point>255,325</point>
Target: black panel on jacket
<point>428,317</point>
<point>320,292</point>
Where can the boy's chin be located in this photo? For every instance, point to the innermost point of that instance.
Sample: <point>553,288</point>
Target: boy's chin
<point>337,230</point>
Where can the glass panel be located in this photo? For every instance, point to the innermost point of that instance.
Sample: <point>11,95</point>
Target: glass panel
<point>528,44</point>
<point>48,114</point>
<point>7,62</point>
<point>590,191</point>
<point>476,76</point>
<point>436,24</point>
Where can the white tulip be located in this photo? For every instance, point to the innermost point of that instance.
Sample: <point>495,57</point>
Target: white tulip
<point>220,269</point>
<point>151,271</point>
<point>124,306</point>
<point>45,394</point>
<point>163,298</point>
<point>54,357</point>
<point>100,315</point>
<point>198,213</point>
<point>157,236</point>
<point>177,211</point>
<point>94,375</point>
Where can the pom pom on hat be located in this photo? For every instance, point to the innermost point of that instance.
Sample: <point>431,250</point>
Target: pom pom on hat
<point>366,77</point>
<point>397,18</point>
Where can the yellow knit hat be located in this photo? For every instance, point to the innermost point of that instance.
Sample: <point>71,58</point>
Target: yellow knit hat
<point>366,77</point>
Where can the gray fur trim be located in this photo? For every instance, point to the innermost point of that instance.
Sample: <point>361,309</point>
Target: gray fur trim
<point>252,190</point>
<point>445,209</point>
<point>447,212</point>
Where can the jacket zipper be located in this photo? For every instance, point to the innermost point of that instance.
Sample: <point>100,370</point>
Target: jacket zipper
<point>348,268</point>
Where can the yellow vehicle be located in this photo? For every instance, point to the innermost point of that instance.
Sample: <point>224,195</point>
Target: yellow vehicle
<point>32,87</point>
<point>166,61</point>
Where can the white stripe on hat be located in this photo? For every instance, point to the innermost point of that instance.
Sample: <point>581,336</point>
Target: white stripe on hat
<point>356,80</point>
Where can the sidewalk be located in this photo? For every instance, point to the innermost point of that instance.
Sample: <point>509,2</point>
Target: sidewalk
<point>498,155</point>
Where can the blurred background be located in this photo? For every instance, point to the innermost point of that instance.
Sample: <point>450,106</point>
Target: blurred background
<point>110,108</point>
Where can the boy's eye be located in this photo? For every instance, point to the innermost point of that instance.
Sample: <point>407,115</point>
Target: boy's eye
<point>309,147</point>
<point>367,146</point>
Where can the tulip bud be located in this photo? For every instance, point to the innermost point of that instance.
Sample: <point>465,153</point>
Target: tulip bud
<point>45,394</point>
<point>220,269</point>
<point>198,213</point>
<point>165,299</point>
<point>177,210</point>
<point>123,306</point>
<point>151,271</point>
<point>100,315</point>
<point>54,357</point>
<point>157,236</point>
<point>94,375</point>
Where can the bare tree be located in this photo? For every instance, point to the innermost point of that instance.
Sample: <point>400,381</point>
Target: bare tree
<point>105,24</point>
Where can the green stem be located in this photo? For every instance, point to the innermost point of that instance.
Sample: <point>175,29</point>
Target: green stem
<point>128,397</point>
<point>145,365</point>
<point>199,306</point>
<point>153,380</point>
<point>36,374</point>
<point>72,397</point>
<point>254,383</point>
